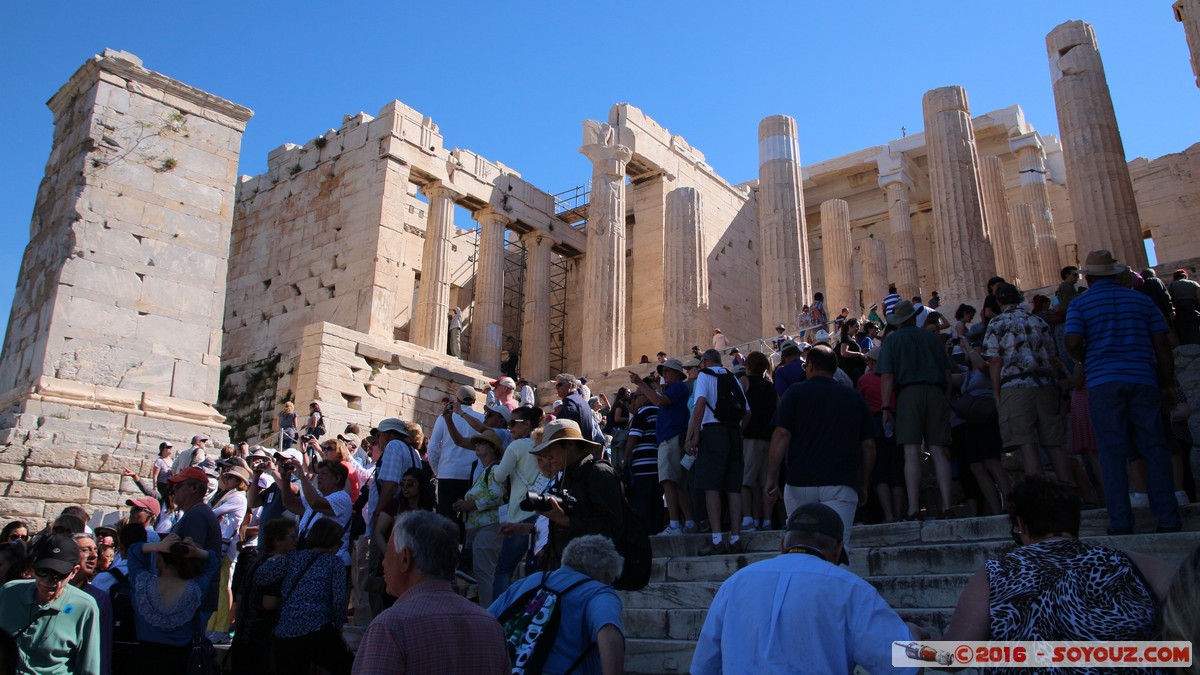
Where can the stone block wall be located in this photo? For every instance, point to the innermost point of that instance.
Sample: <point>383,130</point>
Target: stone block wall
<point>1167,190</point>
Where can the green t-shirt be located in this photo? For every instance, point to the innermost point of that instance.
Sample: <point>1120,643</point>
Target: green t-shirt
<point>914,356</point>
<point>59,638</point>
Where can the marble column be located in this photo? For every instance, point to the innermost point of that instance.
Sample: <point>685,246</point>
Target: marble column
<point>783,263</point>
<point>995,210</point>
<point>431,321</point>
<point>1098,182</point>
<point>604,262</point>
<point>875,277</point>
<point>685,273</point>
<point>837,253</point>
<point>1187,12</point>
<point>535,332</point>
<point>1020,224</point>
<point>896,180</point>
<point>488,318</point>
<point>961,253</point>
<point>1032,158</point>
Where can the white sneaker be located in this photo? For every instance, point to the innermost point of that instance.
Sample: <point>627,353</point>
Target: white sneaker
<point>749,527</point>
<point>1181,497</point>
<point>672,531</point>
<point>1139,499</point>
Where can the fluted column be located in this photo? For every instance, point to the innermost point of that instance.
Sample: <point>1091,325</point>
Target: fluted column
<point>836,254</point>
<point>1032,158</point>
<point>488,318</point>
<point>604,263</point>
<point>783,263</point>
<point>995,210</point>
<point>896,180</point>
<point>431,320</point>
<point>1098,182</point>
<point>535,332</point>
<point>685,273</point>
<point>963,260</point>
<point>1187,12</point>
<point>875,270</point>
<point>1020,223</point>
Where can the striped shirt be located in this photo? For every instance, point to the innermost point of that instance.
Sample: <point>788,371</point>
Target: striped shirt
<point>889,303</point>
<point>1116,324</point>
<point>645,450</point>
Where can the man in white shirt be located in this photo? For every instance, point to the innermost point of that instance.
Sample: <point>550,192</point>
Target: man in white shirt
<point>326,498</point>
<point>528,398</point>
<point>450,462</point>
<point>193,456</point>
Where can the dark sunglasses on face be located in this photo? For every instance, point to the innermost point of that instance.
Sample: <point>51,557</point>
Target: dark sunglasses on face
<point>18,537</point>
<point>49,574</point>
<point>514,423</point>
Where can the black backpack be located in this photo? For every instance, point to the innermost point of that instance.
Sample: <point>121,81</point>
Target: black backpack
<point>530,626</point>
<point>319,430</point>
<point>730,405</point>
<point>121,596</point>
<point>633,544</point>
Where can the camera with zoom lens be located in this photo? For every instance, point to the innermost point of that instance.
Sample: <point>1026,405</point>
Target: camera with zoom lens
<point>536,501</point>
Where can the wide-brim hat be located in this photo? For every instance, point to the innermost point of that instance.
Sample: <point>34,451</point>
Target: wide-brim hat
<point>559,431</point>
<point>903,311</point>
<point>822,336</point>
<point>501,410</point>
<point>692,363</point>
<point>396,425</point>
<point>290,454</point>
<point>237,471</point>
<point>673,364</point>
<point>1102,264</point>
<point>489,436</point>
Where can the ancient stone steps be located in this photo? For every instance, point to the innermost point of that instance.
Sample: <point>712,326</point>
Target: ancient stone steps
<point>920,568</point>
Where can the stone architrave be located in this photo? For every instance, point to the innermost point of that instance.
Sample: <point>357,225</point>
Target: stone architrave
<point>875,271</point>
<point>1187,12</point>
<point>535,333</point>
<point>1098,181</point>
<point>995,208</point>
<point>895,178</point>
<point>488,318</point>
<point>964,261</point>
<point>431,320</point>
<point>685,273</point>
<point>783,261</point>
<point>837,254</point>
<point>1020,223</point>
<point>604,263</point>
<point>1032,158</point>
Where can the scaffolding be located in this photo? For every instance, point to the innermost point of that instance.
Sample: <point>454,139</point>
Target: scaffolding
<point>513,318</point>
<point>559,266</point>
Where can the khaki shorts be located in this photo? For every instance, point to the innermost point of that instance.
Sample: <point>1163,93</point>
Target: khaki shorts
<point>923,416</point>
<point>669,454</point>
<point>1032,416</point>
<point>754,460</point>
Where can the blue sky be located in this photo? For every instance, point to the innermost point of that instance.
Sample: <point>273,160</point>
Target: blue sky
<point>512,81</point>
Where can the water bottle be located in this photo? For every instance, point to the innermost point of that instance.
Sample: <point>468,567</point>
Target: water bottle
<point>889,428</point>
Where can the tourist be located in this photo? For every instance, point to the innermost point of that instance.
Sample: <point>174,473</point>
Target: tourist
<point>505,390</point>
<point>717,447</point>
<point>1157,291</point>
<point>595,503</point>
<point>590,635</point>
<point>756,439</point>
<point>818,316</point>
<point>313,606</point>
<point>888,473</point>
<point>519,468</point>
<point>617,419</point>
<point>640,458</point>
<point>287,426</point>
<point>321,498</point>
<point>661,356</point>
<point>990,307</point>
<point>193,456</point>
<point>397,458</point>
<point>1185,295</point>
<point>56,626</point>
<point>850,356</point>
<point>258,604</point>
<point>450,461</point>
<point>1023,362</point>
<point>575,407</point>
<point>430,628</point>
<point>88,568</point>
<point>336,450</point>
<point>791,367</point>
<point>670,426</point>
<point>963,316</point>
<point>913,363</point>
<point>527,395</point>
<point>1121,339</point>
<point>13,555</point>
<point>873,317</point>
<point>481,507</point>
<point>889,302</point>
<point>15,530</point>
<point>1068,290</point>
<point>719,341</point>
<point>198,524</point>
<point>161,471</point>
<point>230,508</point>
<point>935,300</point>
<point>106,548</point>
<point>1055,587</point>
<point>800,610</point>
<point>454,333</point>
<point>315,422</point>
<point>982,440</point>
<point>827,435</point>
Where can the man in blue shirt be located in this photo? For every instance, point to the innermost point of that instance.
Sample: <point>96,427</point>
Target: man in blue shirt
<point>1120,337</point>
<point>672,402</point>
<point>800,610</point>
<point>791,369</point>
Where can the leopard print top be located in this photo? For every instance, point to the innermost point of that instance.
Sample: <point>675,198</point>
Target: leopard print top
<point>1069,590</point>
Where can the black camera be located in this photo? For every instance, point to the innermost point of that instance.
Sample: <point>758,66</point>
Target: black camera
<point>535,501</point>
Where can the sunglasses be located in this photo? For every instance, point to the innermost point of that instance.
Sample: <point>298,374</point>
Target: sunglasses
<point>50,574</point>
<point>18,537</point>
<point>514,423</point>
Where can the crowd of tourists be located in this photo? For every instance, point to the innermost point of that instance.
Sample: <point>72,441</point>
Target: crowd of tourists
<point>450,548</point>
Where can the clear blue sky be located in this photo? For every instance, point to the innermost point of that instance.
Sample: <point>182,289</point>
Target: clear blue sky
<point>512,81</point>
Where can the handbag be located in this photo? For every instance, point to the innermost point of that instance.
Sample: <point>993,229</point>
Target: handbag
<point>975,409</point>
<point>202,660</point>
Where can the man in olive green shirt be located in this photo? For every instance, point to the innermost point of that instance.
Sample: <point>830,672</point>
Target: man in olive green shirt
<point>56,626</point>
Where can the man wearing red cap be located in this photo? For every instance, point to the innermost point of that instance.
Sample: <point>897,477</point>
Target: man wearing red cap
<point>199,524</point>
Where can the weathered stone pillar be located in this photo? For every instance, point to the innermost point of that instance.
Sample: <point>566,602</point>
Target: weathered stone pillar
<point>1032,158</point>
<point>114,337</point>
<point>1098,182</point>
<point>1187,12</point>
<point>488,318</point>
<point>995,210</point>
<point>837,254</point>
<point>535,333</point>
<point>431,320</point>
<point>963,260</point>
<point>604,263</point>
<point>685,273</point>
<point>1020,223</point>
<point>895,178</point>
<point>784,272</point>
<point>875,271</point>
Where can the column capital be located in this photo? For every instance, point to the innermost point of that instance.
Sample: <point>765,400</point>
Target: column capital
<point>1024,142</point>
<point>536,237</point>
<point>436,189</point>
<point>490,216</point>
<point>611,159</point>
<point>895,167</point>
